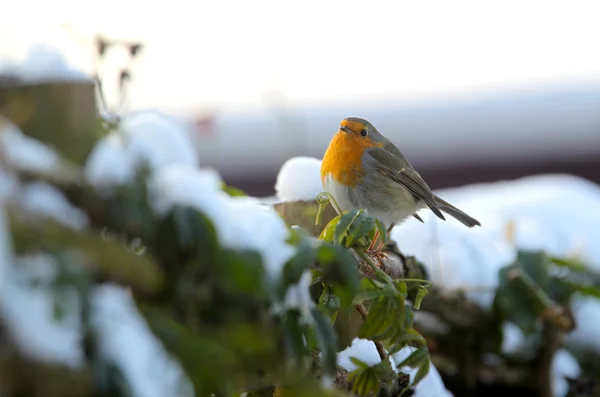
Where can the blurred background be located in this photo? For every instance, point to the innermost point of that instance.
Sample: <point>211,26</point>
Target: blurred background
<point>470,91</point>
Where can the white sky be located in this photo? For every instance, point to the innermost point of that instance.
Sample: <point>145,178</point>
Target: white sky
<point>218,53</point>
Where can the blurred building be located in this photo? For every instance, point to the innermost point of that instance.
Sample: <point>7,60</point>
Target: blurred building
<point>452,142</point>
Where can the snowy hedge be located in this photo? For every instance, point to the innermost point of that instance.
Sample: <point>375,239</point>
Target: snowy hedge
<point>140,273</point>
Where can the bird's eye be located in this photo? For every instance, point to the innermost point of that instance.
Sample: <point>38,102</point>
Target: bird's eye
<point>364,132</point>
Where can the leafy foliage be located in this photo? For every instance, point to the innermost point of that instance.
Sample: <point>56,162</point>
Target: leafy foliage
<point>389,317</point>
<point>225,321</point>
<point>536,287</point>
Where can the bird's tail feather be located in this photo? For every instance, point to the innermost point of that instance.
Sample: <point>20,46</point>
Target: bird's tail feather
<point>456,213</point>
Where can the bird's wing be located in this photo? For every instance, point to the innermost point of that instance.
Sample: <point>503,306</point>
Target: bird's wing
<point>390,162</point>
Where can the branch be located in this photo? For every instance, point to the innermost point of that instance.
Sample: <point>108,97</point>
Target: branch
<point>542,364</point>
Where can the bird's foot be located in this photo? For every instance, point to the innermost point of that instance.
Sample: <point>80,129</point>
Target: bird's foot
<point>377,253</point>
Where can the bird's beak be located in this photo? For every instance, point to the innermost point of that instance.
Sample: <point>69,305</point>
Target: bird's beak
<point>345,129</point>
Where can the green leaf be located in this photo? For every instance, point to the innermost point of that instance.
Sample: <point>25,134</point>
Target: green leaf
<point>401,288</point>
<point>329,303</point>
<point>232,191</point>
<point>421,293</point>
<point>305,255</point>
<point>370,379</point>
<point>369,289</point>
<point>408,336</point>
<point>585,281</point>
<point>520,299</point>
<point>385,318</point>
<point>416,358</point>
<point>327,341</point>
<point>360,228</point>
<point>364,381</point>
<point>346,326</point>
<point>408,317</point>
<point>536,265</point>
<point>523,295</point>
<point>195,353</point>
<point>328,233</point>
<point>422,372</point>
<point>338,266</point>
<point>571,264</point>
<point>359,363</point>
<point>184,235</point>
<point>293,338</point>
<point>343,226</point>
<point>241,273</point>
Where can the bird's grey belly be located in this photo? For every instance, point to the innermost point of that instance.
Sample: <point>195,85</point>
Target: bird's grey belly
<point>390,202</point>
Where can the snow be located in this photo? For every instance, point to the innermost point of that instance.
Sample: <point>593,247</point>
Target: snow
<point>20,151</point>
<point>41,198</point>
<point>42,64</point>
<point>27,310</point>
<point>365,350</point>
<point>5,247</point>
<point>9,183</point>
<point>295,180</point>
<point>125,339</point>
<point>144,137</point>
<point>24,153</point>
<point>297,296</point>
<point>586,312</point>
<point>431,385</point>
<point>563,365</point>
<point>27,307</point>
<point>240,222</point>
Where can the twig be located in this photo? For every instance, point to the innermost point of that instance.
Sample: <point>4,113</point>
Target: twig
<point>381,274</point>
<point>380,349</point>
<point>542,363</point>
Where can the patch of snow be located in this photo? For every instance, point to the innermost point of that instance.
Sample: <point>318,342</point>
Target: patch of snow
<point>298,297</point>
<point>144,137</point>
<point>362,349</point>
<point>109,117</point>
<point>109,163</point>
<point>513,338</point>
<point>9,183</point>
<point>262,229</point>
<point>125,339</point>
<point>42,64</point>
<point>327,382</point>
<point>563,365</point>
<point>44,199</point>
<point>586,312</point>
<point>240,222</point>
<point>6,253</point>
<point>430,386</point>
<point>28,312</point>
<point>296,180</point>
<point>180,185</point>
<point>20,151</point>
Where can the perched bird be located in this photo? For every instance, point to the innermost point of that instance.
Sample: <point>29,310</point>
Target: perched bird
<point>363,169</point>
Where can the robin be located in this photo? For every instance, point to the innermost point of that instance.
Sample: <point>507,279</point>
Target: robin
<point>363,169</point>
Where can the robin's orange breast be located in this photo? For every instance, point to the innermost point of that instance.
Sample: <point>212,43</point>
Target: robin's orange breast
<point>343,159</point>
